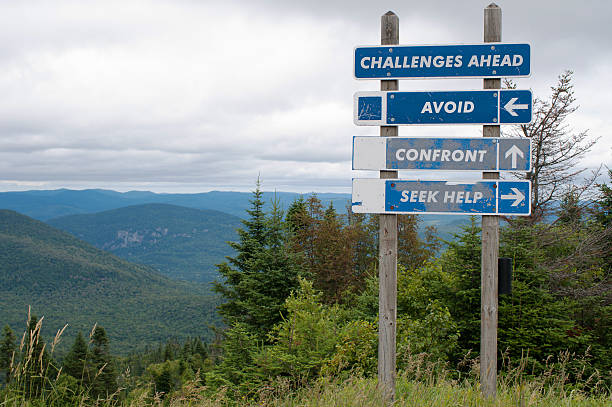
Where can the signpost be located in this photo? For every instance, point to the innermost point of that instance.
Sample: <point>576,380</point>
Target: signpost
<point>441,197</point>
<point>442,61</point>
<point>389,196</point>
<point>450,154</point>
<point>442,107</point>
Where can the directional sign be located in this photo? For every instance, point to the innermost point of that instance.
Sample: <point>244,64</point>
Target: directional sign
<point>450,154</point>
<point>442,107</point>
<point>441,197</point>
<point>442,61</point>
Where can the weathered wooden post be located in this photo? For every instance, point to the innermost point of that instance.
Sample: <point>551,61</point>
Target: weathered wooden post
<point>387,260</point>
<point>490,241</point>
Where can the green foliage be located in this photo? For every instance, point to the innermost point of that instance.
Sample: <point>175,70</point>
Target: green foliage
<point>461,262</point>
<point>305,340</point>
<point>236,372</point>
<point>412,251</point>
<point>434,335</point>
<point>76,284</point>
<point>355,352</point>
<point>261,275</point>
<point>75,363</point>
<point>103,376</point>
<point>182,243</point>
<point>337,252</point>
<point>8,346</point>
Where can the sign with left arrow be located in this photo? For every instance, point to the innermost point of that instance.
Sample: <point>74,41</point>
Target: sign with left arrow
<point>509,106</point>
<point>450,154</point>
<point>393,196</point>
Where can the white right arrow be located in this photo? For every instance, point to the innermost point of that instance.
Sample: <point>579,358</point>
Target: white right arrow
<point>514,151</point>
<point>510,106</point>
<point>518,197</point>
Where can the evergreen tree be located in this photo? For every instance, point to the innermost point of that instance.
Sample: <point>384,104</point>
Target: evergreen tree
<point>264,272</point>
<point>8,347</point>
<point>335,253</point>
<point>103,376</point>
<point>241,268</point>
<point>199,348</point>
<point>412,251</point>
<point>168,354</point>
<point>297,215</point>
<point>163,382</point>
<point>236,371</point>
<point>462,261</point>
<point>75,362</point>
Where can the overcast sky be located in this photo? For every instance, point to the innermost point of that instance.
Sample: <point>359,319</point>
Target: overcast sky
<point>179,95</point>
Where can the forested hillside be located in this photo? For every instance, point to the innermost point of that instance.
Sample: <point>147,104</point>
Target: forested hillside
<point>182,243</point>
<point>70,282</point>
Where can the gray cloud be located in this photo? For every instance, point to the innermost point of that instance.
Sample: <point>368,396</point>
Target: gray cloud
<point>171,95</point>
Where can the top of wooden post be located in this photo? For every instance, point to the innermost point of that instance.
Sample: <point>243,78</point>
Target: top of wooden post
<point>492,23</point>
<point>389,29</point>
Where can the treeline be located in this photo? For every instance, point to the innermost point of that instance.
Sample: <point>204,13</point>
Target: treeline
<point>302,295</point>
<point>301,303</point>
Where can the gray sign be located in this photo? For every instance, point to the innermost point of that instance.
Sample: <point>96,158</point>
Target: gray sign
<point>450,154</point>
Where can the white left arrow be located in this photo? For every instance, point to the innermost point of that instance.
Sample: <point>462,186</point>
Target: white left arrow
<point>510,107</point>
<point>517,196</point>
<point>514,151</point>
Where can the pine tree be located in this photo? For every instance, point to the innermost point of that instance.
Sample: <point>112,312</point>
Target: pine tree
<point>103,376</point>
<point>412,252</point>
<point>8,347</point>
<point>168,354</point>
<point>75,363</point>
<point>163,382</point>
<point>263,274</point>
<point>240,268</point>
<point>199,348</point>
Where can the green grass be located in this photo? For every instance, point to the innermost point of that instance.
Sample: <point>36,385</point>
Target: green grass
<point>362,392</point>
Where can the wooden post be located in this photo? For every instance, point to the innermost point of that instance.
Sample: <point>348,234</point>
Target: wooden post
<point>490,242</point>
<point>387,249</point>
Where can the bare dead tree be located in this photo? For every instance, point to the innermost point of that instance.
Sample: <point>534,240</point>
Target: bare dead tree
<point>560,186</point>
<point>556,148</point>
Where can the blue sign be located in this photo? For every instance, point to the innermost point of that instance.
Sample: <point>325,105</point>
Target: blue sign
<point>442,61</point>
<point>449,154</point>
<point>442,107</point>
<point>442,197</point>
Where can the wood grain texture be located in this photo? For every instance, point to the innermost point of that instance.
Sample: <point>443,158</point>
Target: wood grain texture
<point>387,249</point>
<point>490,242</point>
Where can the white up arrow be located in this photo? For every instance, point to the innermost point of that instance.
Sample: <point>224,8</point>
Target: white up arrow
<point>514,151</point>
<point>510,106</point>
<point>517,196</point>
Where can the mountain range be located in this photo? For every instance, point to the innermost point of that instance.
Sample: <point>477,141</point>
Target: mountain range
<point>68,281</point>
<point>48,204</point>
<point>182,243</point>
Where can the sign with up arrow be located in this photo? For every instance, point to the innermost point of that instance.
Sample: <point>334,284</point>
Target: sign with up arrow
<point>393,196</point>
<point>442,107</point>
<point>450,154</point>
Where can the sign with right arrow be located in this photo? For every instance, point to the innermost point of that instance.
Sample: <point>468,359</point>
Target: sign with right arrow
<point>392,108</point>
<point>450,154</point>
<point>394,196</point>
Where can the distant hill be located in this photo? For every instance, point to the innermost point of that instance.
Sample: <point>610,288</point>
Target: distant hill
<point>45,205</point>
<point>182,243</point>
<point>69,281</point>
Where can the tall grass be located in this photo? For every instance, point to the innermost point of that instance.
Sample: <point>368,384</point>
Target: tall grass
<point>35,380</point>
